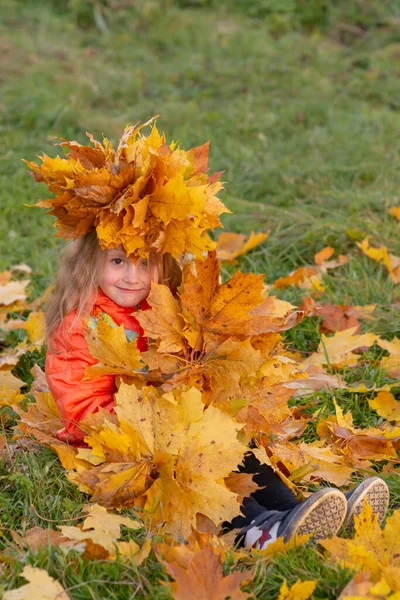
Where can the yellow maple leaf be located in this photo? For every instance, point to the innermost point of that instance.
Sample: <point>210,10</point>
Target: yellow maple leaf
<point>103,529</point>
<point>231,245</point>
<point>109,345</point>
<point>321,462</point>
<point>301,590</point>
<point>392,363</point>
<point>167,454</point>
<point>10,389</point>
<point>13,291</point>
<point>381,255</point>
<point>337,350</point>
<point>164,321</point>
<point>386,406</point>
<point>35,326</point>
<point>40,587</point>
<point>372,548</point>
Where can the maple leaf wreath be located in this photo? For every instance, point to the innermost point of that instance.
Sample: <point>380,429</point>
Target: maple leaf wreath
<point>145,196</point>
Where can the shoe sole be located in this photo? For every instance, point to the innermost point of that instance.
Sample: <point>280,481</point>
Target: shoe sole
<point>376,492</point>
<point>322,515</point>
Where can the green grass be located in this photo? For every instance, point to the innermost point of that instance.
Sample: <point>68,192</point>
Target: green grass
<point>303,114</point>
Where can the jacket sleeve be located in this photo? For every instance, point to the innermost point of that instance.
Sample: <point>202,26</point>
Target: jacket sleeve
<point>65,371</point>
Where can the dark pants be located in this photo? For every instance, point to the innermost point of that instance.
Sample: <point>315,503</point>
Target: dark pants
<point>272,495</point>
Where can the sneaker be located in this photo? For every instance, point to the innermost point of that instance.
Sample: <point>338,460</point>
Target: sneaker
<point>322,515</point>
<point>375,491</point>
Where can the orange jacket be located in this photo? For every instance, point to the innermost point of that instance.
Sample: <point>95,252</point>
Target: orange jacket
<point>69,357</point>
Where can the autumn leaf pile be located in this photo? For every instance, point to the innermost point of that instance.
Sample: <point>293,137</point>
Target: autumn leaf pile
<point>146,195</point>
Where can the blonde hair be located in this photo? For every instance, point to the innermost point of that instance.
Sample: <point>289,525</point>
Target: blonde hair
<point>78,277</point>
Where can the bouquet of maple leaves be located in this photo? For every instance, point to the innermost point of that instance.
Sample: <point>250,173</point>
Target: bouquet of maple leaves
<point>187,408</point>
<point>212,361</point>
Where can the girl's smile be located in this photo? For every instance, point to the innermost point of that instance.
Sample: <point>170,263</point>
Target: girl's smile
<point>126,280</point>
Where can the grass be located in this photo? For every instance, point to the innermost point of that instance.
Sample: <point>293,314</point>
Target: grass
<point>305,125</point>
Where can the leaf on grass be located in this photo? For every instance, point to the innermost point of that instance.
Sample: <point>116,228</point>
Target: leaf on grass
<point>37,537</point>
<point>391,363</point>
<point>323,255</point>
<point>12,291</point>
<point>197,572</point>
<point>9,389</point>
<point>101,531</point>
<point>358,444</point>
<point>303,277</point>
<point>395,211</point>
<point>381,255</point>
<point>40,587</point>
<point>36,328</point>
<point>372,550</point>
<point>312,462</point>
<point>279,547</point>
<point>338,349</point>
<point>231,245</point>
<point>301,590</point>
<point>386,406</point>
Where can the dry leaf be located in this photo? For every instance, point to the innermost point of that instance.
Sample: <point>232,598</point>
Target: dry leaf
<point>372,550</point>
<point>386,406</point>
<point>13,291</point>
<point>338,350</point>
<point>232,245</point>
<point>301,590</point>
<point>100,532</point>
<point>395,211</point>
<point>323,255</point>
<point>9,389</point>
<point>109,345</point>
<point>381,255</point>
<point>358,444</point>
<point>165,454</point>
<point>40,587</point>
<point>197,571</point>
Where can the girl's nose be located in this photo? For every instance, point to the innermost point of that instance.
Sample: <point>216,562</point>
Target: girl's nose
<point>132,273</point>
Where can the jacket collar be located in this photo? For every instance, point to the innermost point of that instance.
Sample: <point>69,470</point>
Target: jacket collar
<point>115,310</point>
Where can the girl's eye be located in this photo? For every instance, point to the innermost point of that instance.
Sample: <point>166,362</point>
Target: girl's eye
<point>117,261</point>
<point>143,264</point>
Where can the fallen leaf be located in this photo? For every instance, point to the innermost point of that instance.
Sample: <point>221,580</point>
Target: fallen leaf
<point>9,389</point>
<point>395,211</point>
<point>197,574</point>
<point>232,245</point>
<point>381,255</point>
<point>386,406</point>
<point>40,587</point>
<point>338,350</point>
<point>372,550</point>
<point>301,590</point>
<point>12,291</point>
<point>323,255</point>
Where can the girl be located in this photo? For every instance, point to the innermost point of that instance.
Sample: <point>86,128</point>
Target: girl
<point>90,282</point>
<point>93,282</point>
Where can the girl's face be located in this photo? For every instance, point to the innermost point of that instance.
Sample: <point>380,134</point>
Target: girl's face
<point>126,280</point>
